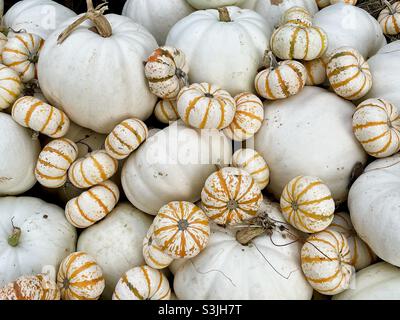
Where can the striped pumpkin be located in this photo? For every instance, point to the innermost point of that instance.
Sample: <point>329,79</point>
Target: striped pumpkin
<point>142,283</point>
<point>316,72</point>
<point>376,125</point>
<point>3,41</point>
<point>54,161</point>
<point>10,87</point>
<point>21,53</point>
<point>325,260</point>
<point>352,2</point>
<point>248,117</point>
<point>181,229</point>
<point>323,3</point>
<point>92,205</point>
<point>292,41</point>
<point>96,167</point>
<point>166,71</point>
<point>38,287</point>
<point>125,138</point>
<point>389,18</point>
<point>152,252</point>
<point>307,204</point>
<point>297,15</point>
<point>206,106</point>
<point>348,73</point>
<point>80,278</point>
<point>252,162</point>
<point>166,111</point>
<point>33,113</point>
<point>231,196</point>
<point>281,80</point>
<point>361,255</point>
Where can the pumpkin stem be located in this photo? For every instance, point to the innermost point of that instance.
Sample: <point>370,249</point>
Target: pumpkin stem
<point>224,14</point>
<point>13,239</point>
<point>245,236</point>
<point>269,60</point>
<point>96,16</point>
<point>389,6</point>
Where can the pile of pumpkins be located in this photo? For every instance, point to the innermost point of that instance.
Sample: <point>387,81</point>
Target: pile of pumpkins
<point>197,149</point>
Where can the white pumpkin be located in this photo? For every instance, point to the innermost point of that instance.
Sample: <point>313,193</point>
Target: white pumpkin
<point>11,87</point>
<point>351,26</point>
<point>154,256</point>
<point>389,18</point>
<point>316,71</point>
<point>381,281</point>
<point>228,270</point>
<point>373,202</point>
<point>96,90</point>
<point>166,111</point>
<point>173,164</point>
<point>116,243</point>
<point>290,136</point>
<point>34,234</point>
<point>19,153</point>
<point>224,49</point>
<point>40,17</point>
<point>157,16</point>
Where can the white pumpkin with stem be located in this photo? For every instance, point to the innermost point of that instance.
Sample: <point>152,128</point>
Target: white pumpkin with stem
<point>19,155</point>
<point>80,278</point>
<point>142,283</point>
<point>124,46</point>
<point>297,15</point>
<point>320,123</point>
<point>11,87</point>
<point>389,18</point>
<point>371,202</point>
<point>316,71</point>
<point>173,164</point>
<point>206,106</point>
<point>376,125</point>
<point>34,234</point>
<point>116,243</point>
<point>221,271</point>
<point>229,41</point>
<point>154,256</point>
<point>166,111</point>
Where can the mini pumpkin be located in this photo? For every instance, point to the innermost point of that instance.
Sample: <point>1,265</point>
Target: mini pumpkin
<point>348,73</point>
<point>248,117</point>
<point>21,53</point>
<point>316,71</point>
<point>142,283</point>
<point>297,15</point>
<point>92,205</point>
<point>376,125</point>
<point>166,71</point>
<point>252,162</point>
<point>307,204</point>
<point>152,252</point>
<point>10,87</point>
<point>33,113</point>
<point>80,277</point>
<point>389,18</point>
<point>54,161</point>
<point>3,41</point>
<point>206,106</point>
<point>231,196</point>
<point>326,263</point>
<point>166,111</point>
<point>94,168</point>
<point>125,138</point>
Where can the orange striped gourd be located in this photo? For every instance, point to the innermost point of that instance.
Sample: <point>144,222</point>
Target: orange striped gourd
<point>37,287</point>
<point>281,80</point>
<point>92,205</point>
<point>248,117</point>
<point>125,138</point>
<point>142,283</point>
<point>323,3</point>
<point>80,277</point>
<point>326,263</point>
<point>206,106</point>
<point>21,53</point>
<point>348,73</point>
<point>166,71</point>
<point>3,41</point>
<point>389,18</point>
<point>54,161</point>
<point>33,113</point>
<point>253,163</point>
<point>307,204</point>
<point>297,15</point>
<point>293,41</point>
<point>376,125</point>
<point>166,111</point>
<point>10,87</point>
<point>154,256</point>
<point>96,167</point>
<point>231,196</point>
<point>181,229</point>
<point>316,72</point>
<point>361,255</point>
